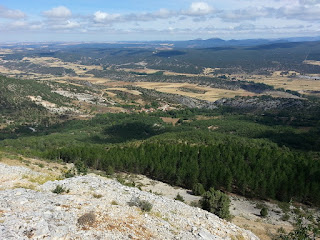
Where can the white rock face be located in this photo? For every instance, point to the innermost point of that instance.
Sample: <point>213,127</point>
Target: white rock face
<point>41,214</point>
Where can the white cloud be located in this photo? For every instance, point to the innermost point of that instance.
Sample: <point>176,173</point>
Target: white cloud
<point>103,17</point>
<point>18,24</point>
<point>307,10</point>
<point>66,25</point>
<point>234,16</point>
<point>162,13</point>
<point>58,12</point>
<point>309,2</point>
<point>10,13</point>
<point>247,26</point>
<point>251,13</point>
<point>198,9</point>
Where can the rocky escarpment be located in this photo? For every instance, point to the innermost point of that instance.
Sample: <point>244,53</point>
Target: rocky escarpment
<point>98,208</point>
<point>265,103</point>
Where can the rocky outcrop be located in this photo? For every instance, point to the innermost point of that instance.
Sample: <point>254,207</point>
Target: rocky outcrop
<point>265,103</point>
<point>98,208</point>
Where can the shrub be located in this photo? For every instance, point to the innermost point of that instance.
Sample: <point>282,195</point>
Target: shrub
<point>217,203</point>
<point>145,206</point>
<point>87,219</point>
<point>264,212</point>
<point>142,204</point>
<point>198,189</point>
<point>60,189</point>
<point>195,204</point>
<point>95,195</point>
<point>114,202</point>
<point>110,170</point>
<point>301,231</point>
<point>81,167</point>
<point>70,173</point>
<point>179,198</point>
<point>285,217</point>
<point>284,206</point>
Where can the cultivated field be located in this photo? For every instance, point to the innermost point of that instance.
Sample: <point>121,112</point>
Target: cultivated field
<point>56,62</point>
<point>299,84</point>
<point>211,94</point>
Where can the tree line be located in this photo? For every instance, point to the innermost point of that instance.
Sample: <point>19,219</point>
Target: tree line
<point>253,171</point>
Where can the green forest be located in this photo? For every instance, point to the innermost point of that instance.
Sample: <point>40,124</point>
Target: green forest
<point>252,153</point>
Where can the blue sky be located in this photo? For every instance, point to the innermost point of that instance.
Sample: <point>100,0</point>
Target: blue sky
<point>101,20</point>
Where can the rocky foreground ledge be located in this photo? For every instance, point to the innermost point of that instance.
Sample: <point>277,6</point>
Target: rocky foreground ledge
<point>98,208</point>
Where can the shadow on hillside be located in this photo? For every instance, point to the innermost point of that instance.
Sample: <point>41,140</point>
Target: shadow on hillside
<point>129,131</point>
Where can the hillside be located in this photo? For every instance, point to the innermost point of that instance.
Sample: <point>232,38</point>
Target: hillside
<point>96,207</point>
<point>239,121</point>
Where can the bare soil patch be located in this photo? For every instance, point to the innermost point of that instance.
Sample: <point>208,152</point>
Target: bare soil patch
<point>173,121</point>
<point>134,92</point>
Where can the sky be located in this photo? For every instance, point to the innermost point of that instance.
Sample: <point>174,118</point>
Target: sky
<point>147,20</point>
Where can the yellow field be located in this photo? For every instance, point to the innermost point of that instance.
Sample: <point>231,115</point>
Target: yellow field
<point>295,84</point>
<point>173,121</point>
<point>5,51</point>
<point>56,62</point>
<point>6,71</point>
<point>211,94</point>
<point>312,62</point>
<point>134,92</point>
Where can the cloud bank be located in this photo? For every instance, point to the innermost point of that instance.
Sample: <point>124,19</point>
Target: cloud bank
<point>245,18</point>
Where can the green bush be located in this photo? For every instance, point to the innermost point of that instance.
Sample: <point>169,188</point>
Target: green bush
<point>70,173</point>
<point>60,189</point>
<point>301,231</point>
<point>81,167</point>
<point>198,189</point>
<point>217,203</point>
<point>110,170</point>
<point>285,217</point>
<point>264,212</point>
<point>144,205</point>
<point>179,198</point>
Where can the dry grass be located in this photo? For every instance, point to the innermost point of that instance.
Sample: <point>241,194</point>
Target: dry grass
<point>7,71</point>
<point>134,226</point>
<point>145,70</point>
<point>201,117</point>
<point>173,121</point>
<point>152,71</point>
<point>54,170</point>
<point>207,71</point>
<point>295,84</point>
<point>5,51</point>
<point>211,94</point>
<point>56,62</point>
<point>312,62</point>
<point>134,92</point>
<point>42,179</point>
<point>264,231</point>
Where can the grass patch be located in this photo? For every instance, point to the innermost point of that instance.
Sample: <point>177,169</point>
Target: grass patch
<point>41,179</point>
<point>97,195</point>
<point>114,202</point>
<point>60,189</point>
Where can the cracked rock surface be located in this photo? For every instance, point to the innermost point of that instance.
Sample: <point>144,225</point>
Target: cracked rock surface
<point>97,208</point>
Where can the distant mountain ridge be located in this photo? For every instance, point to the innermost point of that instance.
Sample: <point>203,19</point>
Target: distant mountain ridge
<point>195,43</point>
